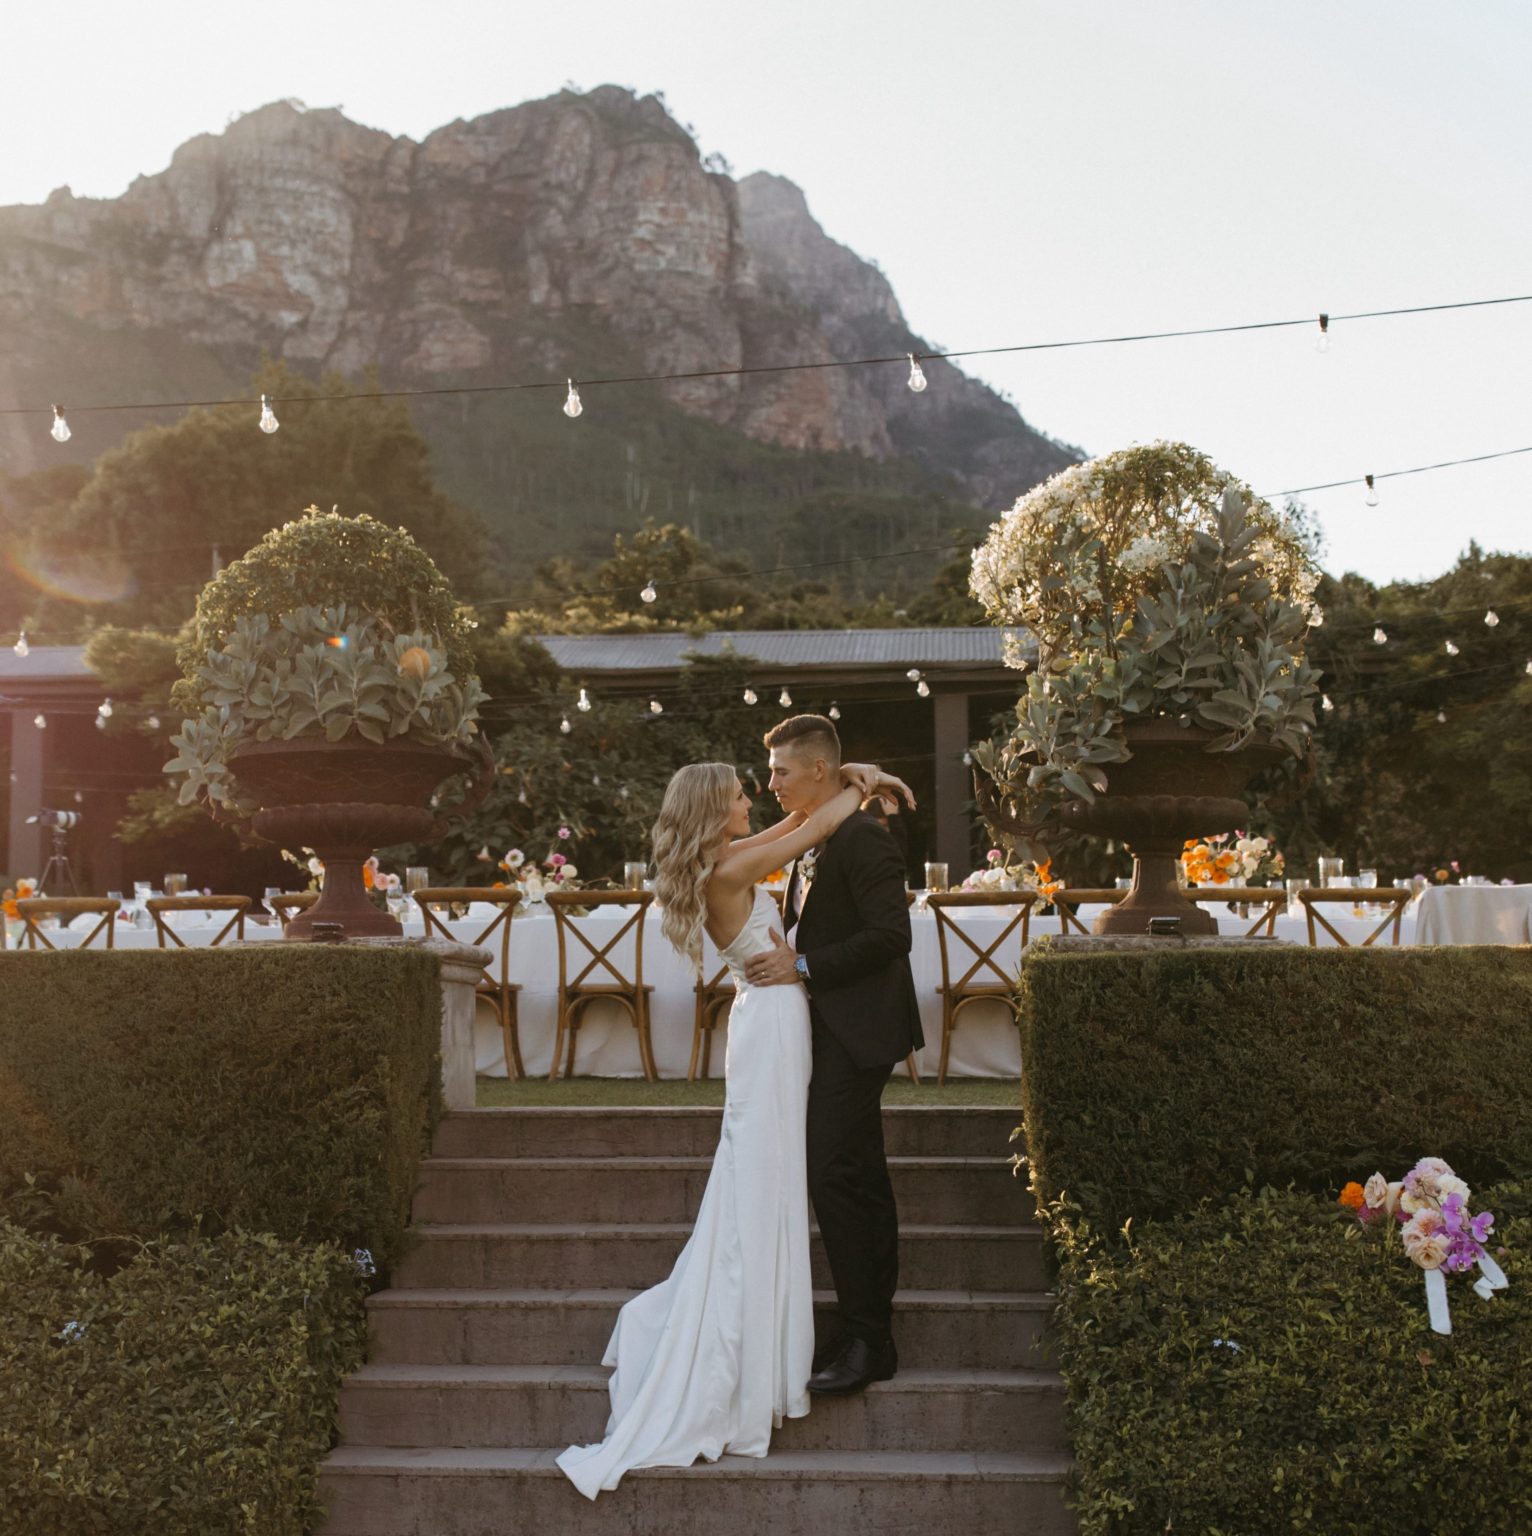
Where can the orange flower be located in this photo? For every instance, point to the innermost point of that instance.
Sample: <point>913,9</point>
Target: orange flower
<point>415,662</point>
<point>1352,1196</point>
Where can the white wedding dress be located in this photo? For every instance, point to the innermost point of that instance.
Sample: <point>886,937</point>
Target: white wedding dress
<point>713,1358</point>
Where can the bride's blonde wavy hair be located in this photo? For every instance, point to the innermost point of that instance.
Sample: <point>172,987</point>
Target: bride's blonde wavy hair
<point>691,823</point>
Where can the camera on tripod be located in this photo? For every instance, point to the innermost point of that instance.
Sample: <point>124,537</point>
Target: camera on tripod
<point>59,821</point>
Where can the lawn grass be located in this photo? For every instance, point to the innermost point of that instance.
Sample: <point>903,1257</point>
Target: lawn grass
<point>500,1092</point>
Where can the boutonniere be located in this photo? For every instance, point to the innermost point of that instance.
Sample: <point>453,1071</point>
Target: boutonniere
<point>806,867</point>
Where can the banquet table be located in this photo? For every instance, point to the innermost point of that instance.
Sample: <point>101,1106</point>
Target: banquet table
<point>1475,914</point>
<point>985,1043</point>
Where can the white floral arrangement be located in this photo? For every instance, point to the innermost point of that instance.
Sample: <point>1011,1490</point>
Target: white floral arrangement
<point>555,873</point>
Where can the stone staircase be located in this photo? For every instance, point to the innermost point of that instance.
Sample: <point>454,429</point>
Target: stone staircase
<point>534,1225</point>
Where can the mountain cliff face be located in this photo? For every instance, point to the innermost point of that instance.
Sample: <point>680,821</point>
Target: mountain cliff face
<point>579,235</point>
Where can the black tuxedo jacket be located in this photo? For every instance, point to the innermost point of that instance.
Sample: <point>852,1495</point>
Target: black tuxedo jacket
<point>854,931</point>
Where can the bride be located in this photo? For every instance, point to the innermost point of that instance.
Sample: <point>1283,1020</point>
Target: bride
<point>714,1357</point>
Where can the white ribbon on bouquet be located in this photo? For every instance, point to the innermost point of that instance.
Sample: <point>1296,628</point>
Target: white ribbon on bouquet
<point>1491,1279</point>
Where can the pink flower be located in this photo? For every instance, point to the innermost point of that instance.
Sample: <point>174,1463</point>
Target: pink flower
<point>565,832</point>
<point>555,860</point>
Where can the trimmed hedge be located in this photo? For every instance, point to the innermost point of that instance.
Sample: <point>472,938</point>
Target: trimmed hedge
<point>1339,1412</point>
<point>1151,1081</point>
<point>191,1394</point>
<point>277,1088</point>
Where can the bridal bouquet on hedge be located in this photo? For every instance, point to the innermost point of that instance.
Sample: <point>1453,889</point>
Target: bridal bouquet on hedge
<point>1429,1206</point>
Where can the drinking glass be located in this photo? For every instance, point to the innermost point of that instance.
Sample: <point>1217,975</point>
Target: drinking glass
<point>936,877</point>
<point>1124,882</point>
<point>416,877</point>
<point>1476,880</point>
<point>1293,887</point>
<point>1330,871</point>
<point>175,885</point>
<point>1418,884</point>
<point>268,895</point>
<point>633,872</point>
<point>1367,878</point>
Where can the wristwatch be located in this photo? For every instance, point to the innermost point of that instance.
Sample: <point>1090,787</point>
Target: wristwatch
<point>801,965</point>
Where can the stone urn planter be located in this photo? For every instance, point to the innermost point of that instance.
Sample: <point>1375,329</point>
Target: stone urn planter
<point>346,799</point>
<point>1170,790</point>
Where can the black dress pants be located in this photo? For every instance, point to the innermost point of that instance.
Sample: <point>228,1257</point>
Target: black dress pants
<point>849,1185</point>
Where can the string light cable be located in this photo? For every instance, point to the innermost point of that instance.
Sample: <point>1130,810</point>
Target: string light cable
<point>573,405</point>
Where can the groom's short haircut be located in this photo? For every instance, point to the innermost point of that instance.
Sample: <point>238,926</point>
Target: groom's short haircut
<point>809,735</point>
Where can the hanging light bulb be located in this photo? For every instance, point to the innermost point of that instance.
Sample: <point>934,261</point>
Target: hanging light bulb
<point>269,422</point>
<point>968,759</point>
<point>1441,717</point>
<point>100,722</point>
<point>750,696</point>
<point>583,703</point>
<point>1327,704</point>
<point>917,374</point>
<point>649,594</point>
<point>1491,618</point>
<point>1452,650</point>
<point>923,688</point>
<point>105,710</point>
<point>1380,636</point>
<point>1322,342</point>
<point>655,707</point>
<point>564,726</point>
<point>572,406</point>
<point>21,647</point>
<point>913,674</point>
<point>59,431</point>
<point>835,711</point>
<point>40,721</point>
<point>1528,669</point>
<point>153,722</point>
<point>1371,498</point>
<point>785,699</point>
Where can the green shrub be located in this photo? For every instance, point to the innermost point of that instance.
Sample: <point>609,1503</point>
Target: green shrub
<point>1340,1412</point>
<point>191,1394</point>
<point>277,1088</point>
<point>1153,1080</point>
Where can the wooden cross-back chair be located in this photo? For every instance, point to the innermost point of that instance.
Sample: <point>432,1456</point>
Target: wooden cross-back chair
<point>32,910</point>
<point>1067,904</point>
<point>577,991</point>
<point>1271,899</point>
<point>159,905</point>
<point>290,903</point>
<point>986,979</point>
<point>496,988</point>
<point>1394,899</point>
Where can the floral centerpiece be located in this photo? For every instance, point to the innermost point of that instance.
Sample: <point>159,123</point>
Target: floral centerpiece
<point>1002,873</point>
<point>1429,1209</point>
<point>1169,608</point>
<point>1240,861</point>
<point>555,873</point>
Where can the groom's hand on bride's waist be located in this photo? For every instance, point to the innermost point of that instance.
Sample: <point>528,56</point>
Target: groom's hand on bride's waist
<point>774,967</point>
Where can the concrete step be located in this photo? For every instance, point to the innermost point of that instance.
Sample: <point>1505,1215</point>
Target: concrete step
<point>908,1131</point>
<point>374,1491</point>
<point>928,1190</point>
<point>546,1257</point>
<point>529,1406</point>
<point>935,1330</point>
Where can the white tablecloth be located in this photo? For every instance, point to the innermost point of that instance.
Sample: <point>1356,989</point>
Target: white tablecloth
<point>1475,914</point>
<point>985,1043</point>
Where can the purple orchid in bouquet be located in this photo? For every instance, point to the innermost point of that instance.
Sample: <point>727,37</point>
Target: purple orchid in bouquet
<point>1430,1207</point>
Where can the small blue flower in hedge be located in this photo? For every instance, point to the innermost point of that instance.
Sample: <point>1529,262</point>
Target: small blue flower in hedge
<point>71,1332</point>
<point>1226,1344</point>
<point>362,1258</point>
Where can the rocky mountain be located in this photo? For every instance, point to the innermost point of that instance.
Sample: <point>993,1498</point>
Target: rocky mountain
<point>578,236</point>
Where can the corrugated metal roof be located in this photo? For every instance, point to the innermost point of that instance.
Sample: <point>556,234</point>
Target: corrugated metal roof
<point>43,664</point>
<point>871,648</point>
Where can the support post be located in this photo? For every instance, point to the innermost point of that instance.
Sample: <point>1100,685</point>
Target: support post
<point>953,791</point>
<point>24,846</point>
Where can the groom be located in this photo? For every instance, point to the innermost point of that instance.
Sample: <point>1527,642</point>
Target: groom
<point>848,942</point>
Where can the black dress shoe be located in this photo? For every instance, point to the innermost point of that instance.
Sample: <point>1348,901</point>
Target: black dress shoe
<point>860,1365</point>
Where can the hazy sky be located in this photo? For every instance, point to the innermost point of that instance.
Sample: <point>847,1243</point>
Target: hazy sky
<point>1022,171</point>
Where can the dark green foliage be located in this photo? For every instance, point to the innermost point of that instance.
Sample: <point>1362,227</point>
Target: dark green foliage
<point>1339,1413</point>
<point>280,1088</point>
<point>191,1393</point>
<point>1153,1080</point>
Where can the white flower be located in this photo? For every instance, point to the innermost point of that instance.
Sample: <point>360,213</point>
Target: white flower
<point>1375,1191</point>
<point>1451,1184</point>
<point>514,859</point>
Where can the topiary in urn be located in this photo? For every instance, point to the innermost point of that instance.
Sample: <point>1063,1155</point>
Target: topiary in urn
<point>331,676</point>
<point>1169,607</point>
